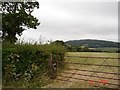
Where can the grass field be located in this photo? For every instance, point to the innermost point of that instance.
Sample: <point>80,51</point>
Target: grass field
<point>73,73</point>
<point>93,60</point>
<point>108,49</point>
<point>96,54</point>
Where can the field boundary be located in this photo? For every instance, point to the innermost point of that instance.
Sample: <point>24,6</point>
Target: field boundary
<point>107,80</point>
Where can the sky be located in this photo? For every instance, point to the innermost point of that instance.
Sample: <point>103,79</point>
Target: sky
<point>75,20</point>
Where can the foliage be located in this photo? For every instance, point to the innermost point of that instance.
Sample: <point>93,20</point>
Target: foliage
<point>16,17</point>
<point>27,63</point>
<point>92,43</point>
<point>92,46</point>
<point>78,48</point>
<point>59,42</point>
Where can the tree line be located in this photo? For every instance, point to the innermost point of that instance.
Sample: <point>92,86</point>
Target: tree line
<point>93,43</point>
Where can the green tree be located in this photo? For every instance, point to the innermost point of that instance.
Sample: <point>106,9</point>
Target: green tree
<point>59,42</point>
<point>84,48</point>
<point>17,17</point>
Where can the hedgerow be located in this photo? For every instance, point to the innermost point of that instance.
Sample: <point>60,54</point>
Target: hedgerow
<point>22,65</point>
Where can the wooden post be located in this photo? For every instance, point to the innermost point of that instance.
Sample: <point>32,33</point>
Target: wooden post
<point>50,62</point>
<point>50,66</point>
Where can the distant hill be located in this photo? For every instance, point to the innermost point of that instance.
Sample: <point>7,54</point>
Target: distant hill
<point>92,43</point>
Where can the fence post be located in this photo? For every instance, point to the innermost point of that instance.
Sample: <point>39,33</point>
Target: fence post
<point>50,67</point>
<point>50,62</point>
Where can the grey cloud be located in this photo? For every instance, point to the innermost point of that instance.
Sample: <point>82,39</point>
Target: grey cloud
<point>68,20</point>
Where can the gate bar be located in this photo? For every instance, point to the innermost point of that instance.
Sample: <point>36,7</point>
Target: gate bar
<point>93,57</point>
<point>91,76</point>
<point>93,71</point>
<point>93,64</point>
<point>86,80</point>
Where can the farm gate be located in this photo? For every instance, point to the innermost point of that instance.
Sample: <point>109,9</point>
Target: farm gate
<point>91,71</point>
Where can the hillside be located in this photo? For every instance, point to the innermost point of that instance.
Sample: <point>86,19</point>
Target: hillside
<point>92,43</point>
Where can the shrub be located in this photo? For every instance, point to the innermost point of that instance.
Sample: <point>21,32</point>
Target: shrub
<point>28,62</point>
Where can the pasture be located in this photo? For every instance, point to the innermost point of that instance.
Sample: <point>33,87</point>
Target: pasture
<point>78,71</point>
<point>108,49</point>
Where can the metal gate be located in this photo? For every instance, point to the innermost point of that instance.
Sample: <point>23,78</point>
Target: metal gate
<point>91,71</point>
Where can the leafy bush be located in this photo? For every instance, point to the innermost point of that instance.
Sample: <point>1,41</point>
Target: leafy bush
<point>28,62</point>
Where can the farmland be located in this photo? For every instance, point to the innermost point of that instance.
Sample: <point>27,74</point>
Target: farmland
<point>107,49</point>
<point>99,54</point>
<point>71,78</point>
<point>64,51</point>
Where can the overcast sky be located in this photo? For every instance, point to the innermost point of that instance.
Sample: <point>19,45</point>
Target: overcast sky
<point>70,20</point>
